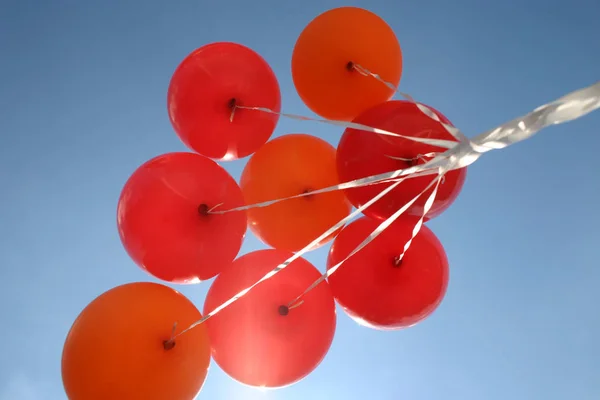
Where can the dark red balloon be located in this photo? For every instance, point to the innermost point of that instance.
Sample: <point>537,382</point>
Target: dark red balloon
<point>376,290</point>
<point>361,154</point>
<point>163,220</point>
<point>204,89</point>
<point>254,341</point>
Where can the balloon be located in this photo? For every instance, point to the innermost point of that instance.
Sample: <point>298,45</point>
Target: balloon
<point>361,154</point>
<point>376,290</point>
<point>286,166</point>
<point>164,223</point>
<point>116,347</point>
<point>257,340</point>
<point>203,91</point>
<point>325,52</point>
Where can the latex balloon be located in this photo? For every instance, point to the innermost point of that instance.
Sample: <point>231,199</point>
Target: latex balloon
<point>164,220</point>
<point>207,86</point>
<point>258,340</point>
<point>361,154</point>
<point>116,347</point>
<point>324,56</point>
<point>378,291</point>
<point>286,166</point>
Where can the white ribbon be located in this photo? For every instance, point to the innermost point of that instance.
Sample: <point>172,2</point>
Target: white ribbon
<point>459,154</point>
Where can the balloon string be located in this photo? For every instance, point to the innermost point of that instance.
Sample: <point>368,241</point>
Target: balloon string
<point>455,132</point>
<point>414,160</point>
<point>297,255</point>
<point>426,208</point>
<point>352,184</point>
<point>169,344</point>
<point>392,176</point>
<point>357,183</point>
<point>377,231</point>
<point>446,144</point>
<point>360,182</point>
<point>567,108</point>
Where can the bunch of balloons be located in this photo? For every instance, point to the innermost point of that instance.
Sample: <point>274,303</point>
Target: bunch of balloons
<point>183,218</point>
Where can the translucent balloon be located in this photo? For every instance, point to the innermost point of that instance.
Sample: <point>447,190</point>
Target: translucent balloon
<point>378,290</point>
<point>164,220</point>
<point>204,91</point>
<point>361,154</point>
<point>325,55</point>
<point>258,340</point>
<point>116,347</point>
<point>286,166</point>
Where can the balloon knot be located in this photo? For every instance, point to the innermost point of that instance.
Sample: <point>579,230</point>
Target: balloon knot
<point>307,193</point>
<point>232,105</point>
<point>350,66</point>
<point>397,261</point>
<point>284,310</point>
<point>203,209</point>
<point>168,344</point>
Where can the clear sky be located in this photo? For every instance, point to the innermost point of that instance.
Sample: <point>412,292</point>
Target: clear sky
<point>83,103</point>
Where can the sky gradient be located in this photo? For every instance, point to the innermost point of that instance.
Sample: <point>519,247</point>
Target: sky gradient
<point>83,103</point>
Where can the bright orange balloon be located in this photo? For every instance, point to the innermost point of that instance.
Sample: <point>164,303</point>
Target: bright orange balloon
<point>286,166</point>
<point>115,348</point>
<point>325,51</point>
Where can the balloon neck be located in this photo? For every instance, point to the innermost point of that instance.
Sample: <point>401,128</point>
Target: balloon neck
<point>306,192</point>
<point>203,209</point>
<point>232,105</point>
<point>418,160</point>
<point>169,344</point>
<point>284,310</point>
<point>397,262</point>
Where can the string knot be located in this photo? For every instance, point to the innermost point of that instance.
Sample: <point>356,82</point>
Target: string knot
<point>203,209</point>
<point>284,310</point>
<point>232,105</point>
<point>397,261</point>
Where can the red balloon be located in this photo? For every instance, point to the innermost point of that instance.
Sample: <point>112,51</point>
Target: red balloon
<point>164,222</point>
<point>361,154</point>
<point>203,91</point>
<point>376,290</point>
<point>257,340</point>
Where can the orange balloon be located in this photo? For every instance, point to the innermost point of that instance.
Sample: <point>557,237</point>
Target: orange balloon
<point>286,166</point>
<point>115,348</point>
<point>323,56</point>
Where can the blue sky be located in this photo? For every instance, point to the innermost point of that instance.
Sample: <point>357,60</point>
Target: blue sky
<point>83,103</point>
